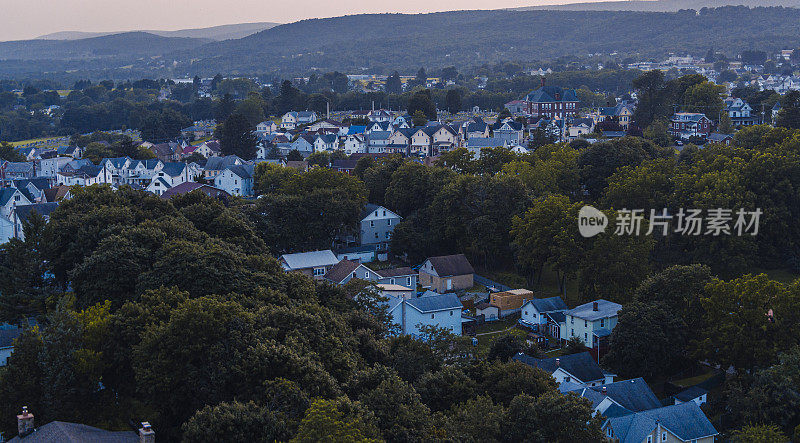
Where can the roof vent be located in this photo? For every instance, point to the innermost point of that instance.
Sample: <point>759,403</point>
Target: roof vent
<point>594,306</point>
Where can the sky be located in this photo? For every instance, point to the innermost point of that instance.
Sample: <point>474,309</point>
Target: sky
<point>25,19</point>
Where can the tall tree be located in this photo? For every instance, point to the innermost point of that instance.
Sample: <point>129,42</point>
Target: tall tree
<point>237,137</point>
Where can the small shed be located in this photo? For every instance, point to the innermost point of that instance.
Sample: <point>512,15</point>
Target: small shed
<point>511,301</point>
<point>487,311</point>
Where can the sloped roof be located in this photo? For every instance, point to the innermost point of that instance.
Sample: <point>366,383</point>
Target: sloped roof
<point>64,432</point>
<point>547,94</point>
<point>634,395</point>
<point>685,420</point>
<point>44,209</point>
<point>691,393</point>
<point>486,142</point>
<point>341,270</point>
<point>8,335</point>
<point>187,187</point>
<point>449,265</point>
<point>243,171</point>
<point>549,304</point>
<point>581,365</point>
<point>220,163</point>
<point>586,311</point>
<point>173,169</point>
<point>433,303</point>
<point>6,194</point>
<point>310,259</point>
<point>395,272</point>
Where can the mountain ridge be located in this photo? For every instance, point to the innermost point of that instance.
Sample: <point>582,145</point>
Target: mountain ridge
<point>218,33</point>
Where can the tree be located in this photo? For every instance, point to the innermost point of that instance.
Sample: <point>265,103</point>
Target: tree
<point>477,419</point>
<point>789,115</point>
<point>504,381</point>
<point>649,89</point>
<point>453,100</point>
<point>235,422</point>
<point>552,417</point>
<point>340,420</point>
<point>704,98</point>
<point>398,410</point>
<point>225,107</point>
<point>657,132</point>
<point>505,347</point>
<point>393,84</point>
<point>237,138</point>
<point>294,155</point>
<point>419,119</point>
<point>680,289</point>
<point>614,266</point>
<point>445,388</point>
<point>725,125</point>
<point>759,434</point>
<point>574,345</point>
<point>449,73</point>
<point>601,160</point>
<point>8,153</point>
<point>421,101</point>
<point>649,340</point>
<point>422,77</point>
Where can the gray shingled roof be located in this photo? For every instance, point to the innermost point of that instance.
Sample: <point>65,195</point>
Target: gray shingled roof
<point>581,365</point>
<point>634,395</point>
<point>395,272</point>
<point>685,420</point>
<point>8,335</point>
<point>310,259</point>
<point>44,209</point>
<point>341,270</point>
<point>691,393</point>
<point>449,265</point>
<point>433,303</point>
<point>63,432</point>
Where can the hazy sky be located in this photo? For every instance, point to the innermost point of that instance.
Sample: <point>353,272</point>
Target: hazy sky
<point>23,19</point>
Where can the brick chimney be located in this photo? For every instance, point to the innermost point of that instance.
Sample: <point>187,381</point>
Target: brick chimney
<point>605,389</point>
<point>25,423</point>
<point>594,306</point>
<point>146,433</point>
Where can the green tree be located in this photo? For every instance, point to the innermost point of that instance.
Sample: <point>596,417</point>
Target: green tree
<point>237,138</point>
<point>422,101</point>
<point>453,100</point>
<point>235,422</point>
<point>8,153</point>
<point>657,133</point>
<point>419,119</point>
<point>649,340</point>
<point>705,98</point>
<point>339,420</point>
<point>759,434</point>
<point>393,84</point>
<point>649,90</point>
<point>398,410</point>
<point>552,417</point>
<point>789,115</point>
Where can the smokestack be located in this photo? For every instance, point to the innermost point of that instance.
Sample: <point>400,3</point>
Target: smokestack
<point>146,433</point>
<point>25,423</point>
<point>558,362</point>
<point>594,306</point>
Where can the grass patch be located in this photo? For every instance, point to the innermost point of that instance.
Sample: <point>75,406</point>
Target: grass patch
<point>485,341</point>
<point>34,140</point>
<point>691,381</point>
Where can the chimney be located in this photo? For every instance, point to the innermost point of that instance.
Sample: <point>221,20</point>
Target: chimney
<point>543,81</point>
<point>594,306</point>
<point>146,433</point>
<point>605,389</point>
<point>558,362</point>
<point>25,423</point>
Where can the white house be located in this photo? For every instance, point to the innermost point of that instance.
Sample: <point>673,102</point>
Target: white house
<point>592,322</point>
<point>533,311</point>
<point>236,180</point>
<point>355,144</point>
<point>431,309</point>
<point>326,142</point>
<point>580,370</point>
<point>693,394</point>
<point>293,119</point>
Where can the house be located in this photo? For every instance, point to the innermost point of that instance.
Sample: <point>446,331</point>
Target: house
<point>552,102</point>
<point>476,144</point>
<point>487,312</point>
<point>622,113</point>
<point>510,301</point>
<point>266,127</point>
<point>69,151</point>
<point>684,422</point>
<point>313,264</point>
<point>236,180</point>
<point>446,273</point>
<point>304,144</point>
<point>59,431</point>
<point>49,167</point>
<point>400,276</point>
<point>431,309</point>
<point>377,226</point>
<point>326,142</point>
<point>592,322</point>
<point>293,119</point>
<point>56,194</point>
<point>380,115</point>
<point>579,127</point>
<point>33,188</point>
<point>534,313</point>
<point>397,291</point>
<point>166,152</point>
<point>215,165</point>
<point>7,230</point>
<point>516,107</point>
<point>689,124</point>
<point>579,369</point>
<point>141,172</point>
<point>475,128</point>
<point>724,139</point>
<point>740,113</point>
<point>508,130</point>
<point>10,198</point>
<point>354,143</point>
<point>209,149</point>
<point>377,141</point>
<point>198,130</point>
<point>185,188</point>
<point>693,394</point>
<point>346,270</point>
<point>625,396</point>
<point>7,337</point>
<point>16,170</point>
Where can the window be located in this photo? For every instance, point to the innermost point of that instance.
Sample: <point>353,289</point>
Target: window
<point>366,274</point>
<point>384,213</point>
<point>408,281</point>
<point>602,323</point>
<point>391,280</point>
<point>432,315</point>
<point>585,323</point>
<point>572,332</point>
<point>451,313</point>
<point>585,337</point>
<point>354,275</point>
<point>389,222</point>
<point>319,271</point>
<point>526,312</point>
<point>572,320</point>
<point>376,235</point>
<point>649,439</point>
<point>371,223</point>
<point>663,436</point>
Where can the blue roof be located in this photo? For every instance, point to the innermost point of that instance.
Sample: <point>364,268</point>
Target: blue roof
<point>173,169</point>
<point>432,303</point>
<point>486,142</point>
<point>356,129</point>
<point>686,420</point>
<point>605,332</point>
<point>7,336</point>
<point>634,395</point>
<point>690,394</point>
<point>581,365</point>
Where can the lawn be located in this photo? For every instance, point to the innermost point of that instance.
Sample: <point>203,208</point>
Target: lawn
<point>691,381</point>
<point>547,286</point>
<point>34,140</point>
